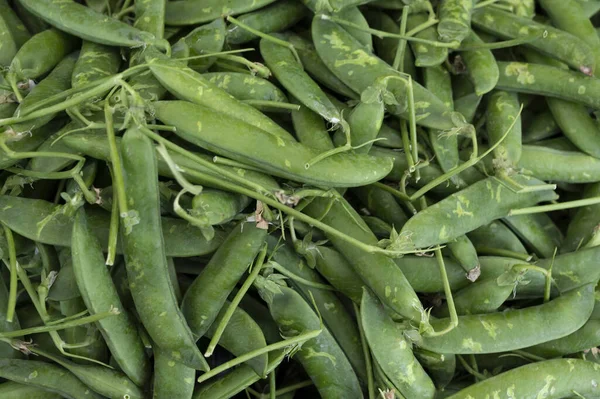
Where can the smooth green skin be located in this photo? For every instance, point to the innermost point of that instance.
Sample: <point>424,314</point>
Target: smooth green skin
<point>64,287</point>
<point>236,380</point>
<point>441,368</point>
<point>380,228</point>
<point>310,128</point>
<point>355,16</point>
<point>423,274</point>
<point>321,357</point>
<point>241,336</point>
<point>585,338</point>
<point>365,122</point>
<point>391,136</point>
<point>23,215</point>
<point>470,208</point>
<point>96,146</point>
<point>7,110</point>
<point>560,166</point>
<point>467,105</point>
<point>386,47</point>
<point>552,378</point>
<point>99,294</point>
<point>211,90</point>
<point>84,22</point>
<point>278,156</point>
<point>192,12</point>
<point>219,207</point>
<point>387,280</point>
<point>437,80</point>
<point>150,17</point>
<point>514,329</point>
<point>41,53</point>
<point>502,111</point>
<point>316,68</point>
<point>590,8</point>
<point>339,273</point>
<point>256,309</point>
<point>291,75</point>
<point>339,322</point>
<point>18,31</point>
<point>391,349</point>
<point>332,5</point>
<point>425,55</point>
<point>46,376</point>
<point>549,81</point>
<point>541,127</point>
<point>171,379</point>
<point>206,39</point>
<point>382,204</point>
<point>464,252</point>
<point>14,390</point>
<point>482,68</point>
<point>6,351</point>
<point>95,62</point>
<point>33,24</point>
<point>145,255</point>
<point>537,231</point>
<point>358,69</point>
<point>455,19</point>
<point>216,281</point>
<point>555,43</point>
<point>496,235</point>
<point>276,17</point>
<point>583,222</point>
<point>9,48</point>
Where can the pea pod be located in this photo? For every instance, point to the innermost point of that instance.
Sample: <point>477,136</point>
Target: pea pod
<point>95,62</point>
<point>548,40</point>
<point>281,157</point>
<point>339,273</point>
<point>426,55</point>
<point>206,39</point>
<point>392,351</point>
<point>585,338</point>
<point>505,331</point>
<point>441,367</point>
<point>538,232</point>
<point>468,209</point>
<point>9,47</point>
<point>464,252</point>
<point>150,17</point>
<point>17,29</point>
<point>99,295</point>
<point>310,128</point>
<point>482,68</point>
<point>14,390</point>
<point>583,223</point>
<point>541,127</point>
<point>502,114</point>
<point>356,17</point>
<point>191,12</point>
<point>171,379</point>
<point>294,316</point>
<point>382,204</point>
<point>557,165</point>
<point>496,235</point>
<point>554,378</point>
<point>84,22</point>
<point>218,207</point>
<point>455,19</point>
<point>424,276</point>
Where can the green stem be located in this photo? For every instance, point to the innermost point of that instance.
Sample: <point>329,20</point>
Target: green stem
<point>234,164</point>
<point>299,279</point>
<point>470,369</point>
<point>272,386</point>
<point>56,327</point>
<point>255,67</point>
<point>449,298</point>
<point>366,354</point>
<point>12,256</point>
<point>398,63</point>
<point>413,126</point>
<point>272,104</point>
<point>555,207</point>
<point>113,230</point>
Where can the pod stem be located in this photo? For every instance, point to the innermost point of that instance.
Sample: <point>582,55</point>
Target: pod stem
<point>398,63</point>
<point>449,298</point>
<point>555,207</point>
<point>12,256</point>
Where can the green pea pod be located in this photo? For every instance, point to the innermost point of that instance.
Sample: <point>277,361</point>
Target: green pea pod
<point>538,232</point>
<point>360,70</point>
<point>583,339</point>
<point>294,316</point>
<point>310,128</point>
<point>14,390</point>
<point>391,136</point>
<point>32,23</point>
<point>426,55</point>
<point>388,282</point>
<point>318,6</point>
<point>46,376</point>
<point>558,378</point>
<point>218,207</point>
<point>382,204</point>
<point>467,105</point>
<point>339,273</point>
<point>95,62</point>
<point>245,86</point>
<point>279,156</point>
<point>392,351</point>
<point>558,165</point>
<point>181,239</point>
<point>150,17</point>
<point>276,17</point>
<point>502,113</point>
<point>464,252</point>
<point>338,321</point>
<point>216,281</point>
<point>291,75</point>
<point>64,286</point>
<point>482,68</point>
<point>365,122</point>
<point>9,46</point>
<point>455,19</point>
<point>260,314</point>
<point>355,16</point>
<point>542,126</point>
<point>192,12</point>
<point>509,330</point>
<point>17,29</point>
<point>470,208</point>
<point>84,22</point>
<point>424,276</point>
<point>583,223</point>
<point>546,39</point>
<point>99,295</point>
<point>496,235</point>
<point>441,367</point>
<point>145,255</point>
<point>206,39</point>
<point>171,379</point>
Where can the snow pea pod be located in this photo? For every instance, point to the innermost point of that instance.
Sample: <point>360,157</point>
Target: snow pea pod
<point>191,12</point>
<point>502,114</point>
<point>339,273</point>
<point>14,390</point>
<point>585,338</point>
<point>496,235</point>
<point>382,204</point>
<point>17,29</point>
<point>218,207</point>
<point>548,40</point>
<point>515,329</point>
<point>244,86</point>
<point>562,166</point>
<point>426,55</point>
<point>542,126</point>
<point>9,47</point>
<point>150,17</point>
<point>279,156</point>
<point>206,39</point>
<point>95,62</point>
<point>584,221</point>
<point>310,128</point>
<point>537,231</point>
<point>470,208</point>
<point>482,68</point>
<point>424,276</point>
<point>455,19</point>
<point>356,17</point>
<point>171,379</point>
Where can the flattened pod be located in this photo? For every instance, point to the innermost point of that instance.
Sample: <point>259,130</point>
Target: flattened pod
<point>95,61</point>
<point>455,19</point>
<point>582,225</point>
<point>425,54</point>
<point>203,40</point>
<point>561,166</point>
<point>482,68</point>
<point>191,12</point>
<point>502,113</point>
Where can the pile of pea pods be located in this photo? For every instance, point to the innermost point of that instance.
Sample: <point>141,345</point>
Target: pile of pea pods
<point>337,199</point>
